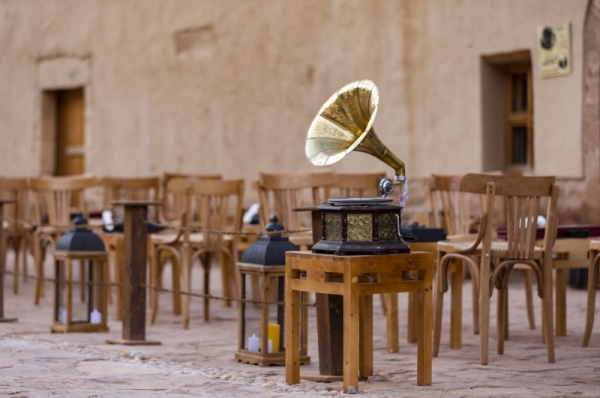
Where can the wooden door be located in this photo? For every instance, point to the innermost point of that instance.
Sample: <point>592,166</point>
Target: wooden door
<point>70,154</point>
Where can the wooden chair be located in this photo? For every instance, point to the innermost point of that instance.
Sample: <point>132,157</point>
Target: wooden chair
<point>216,202</point>
<point>129,188</point>
<point>173,204</point>
<point>281,194</point>
<point>497,258</point>
<point>592,286</point>
<point>55,199</point>
<point>124,188</point>
<point>456,212</point>
<point>17,223</point>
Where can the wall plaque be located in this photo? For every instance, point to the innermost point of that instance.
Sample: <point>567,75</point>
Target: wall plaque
<point>554,49</point>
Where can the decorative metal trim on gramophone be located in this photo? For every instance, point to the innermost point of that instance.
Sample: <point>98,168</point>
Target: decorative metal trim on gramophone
<point>361,225</point>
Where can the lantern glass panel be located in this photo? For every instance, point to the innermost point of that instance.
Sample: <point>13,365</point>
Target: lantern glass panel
<point>60,313</point>
<point>276,313</point>
<point>81,293</point>
<point>252,311</point>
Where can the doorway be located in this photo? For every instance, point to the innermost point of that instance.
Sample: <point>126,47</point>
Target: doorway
<point>69,156</point>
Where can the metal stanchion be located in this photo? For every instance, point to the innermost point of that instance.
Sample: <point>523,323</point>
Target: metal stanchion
<point>134,277</point>
<point>3,263</point>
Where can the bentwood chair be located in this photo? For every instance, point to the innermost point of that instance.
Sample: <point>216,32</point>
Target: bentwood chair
<point>456,212</point>
<point>55,199</point>
<point>491,261</point>
<point>592,286</point>
<point>129,188</point>
<point>212,208</point>
<point>173,204</point>
<point>284,194</point>
<point>17,224</point>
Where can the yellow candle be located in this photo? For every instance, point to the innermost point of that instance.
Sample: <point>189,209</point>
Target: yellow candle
<point>274,330</point>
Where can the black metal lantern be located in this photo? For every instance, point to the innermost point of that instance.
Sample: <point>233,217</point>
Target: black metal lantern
<point>87,313</point>
<point>261,314</point>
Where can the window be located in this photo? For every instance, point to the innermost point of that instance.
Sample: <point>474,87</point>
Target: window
<point>518,121</point>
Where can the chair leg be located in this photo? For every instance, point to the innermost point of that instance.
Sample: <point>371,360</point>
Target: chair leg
<point>484,310</point>
<point>175,276</point>
<point>39,268</point>
<point>155,271</point>
<point>591,303</point>
<point>501,307</point>
<point>547,310</point>
<point>456,306</point>
<point>206,263</point>
<point>560,301</point>
<point>23,248</point>
<point>437,312</point>
<point>186,286</point>
<point>475,301</point>
<point>17,248</point>
<point>528,278</point>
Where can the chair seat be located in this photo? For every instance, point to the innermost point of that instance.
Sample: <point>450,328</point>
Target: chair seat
<point>196,238</point>
<point>499,248</point>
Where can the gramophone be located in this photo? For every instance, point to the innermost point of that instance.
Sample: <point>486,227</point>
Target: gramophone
<point>356,225</point>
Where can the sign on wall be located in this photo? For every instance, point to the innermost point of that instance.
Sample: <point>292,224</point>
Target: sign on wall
<point>554,49</point>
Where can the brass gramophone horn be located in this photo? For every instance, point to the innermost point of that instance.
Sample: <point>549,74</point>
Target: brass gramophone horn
<point>345,124</point>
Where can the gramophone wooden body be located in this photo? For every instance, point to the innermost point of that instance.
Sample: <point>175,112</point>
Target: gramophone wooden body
<point>360,229</point>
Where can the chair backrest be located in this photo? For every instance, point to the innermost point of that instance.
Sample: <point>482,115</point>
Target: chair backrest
<point>451,208</point>
<point>210,205</point>
<point>357,185</point>
<point>173,204</point>
<point>280,194</point>
<point>129,188</point>
<point>17,189</point>
<point>59,197</point>
<point>522,201</point>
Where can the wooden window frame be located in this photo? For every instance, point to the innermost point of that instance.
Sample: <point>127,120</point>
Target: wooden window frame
<point>514,119</point>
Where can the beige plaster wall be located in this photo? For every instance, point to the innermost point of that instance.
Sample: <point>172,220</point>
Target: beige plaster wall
<point>197,86</point>
<point>231,86</point>
<point>449,39</point>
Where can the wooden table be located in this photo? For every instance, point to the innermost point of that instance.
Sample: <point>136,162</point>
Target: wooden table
<point>362,276</point>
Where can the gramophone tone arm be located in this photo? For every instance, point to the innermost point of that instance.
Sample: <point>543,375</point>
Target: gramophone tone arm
<point>404,194</point>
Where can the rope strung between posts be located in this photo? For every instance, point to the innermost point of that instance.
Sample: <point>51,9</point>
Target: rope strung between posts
<point>166,227</point>
<point>164,290</point>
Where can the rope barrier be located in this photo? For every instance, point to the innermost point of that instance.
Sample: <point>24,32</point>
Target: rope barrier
<point>163,290</point>
<point>169,227</point>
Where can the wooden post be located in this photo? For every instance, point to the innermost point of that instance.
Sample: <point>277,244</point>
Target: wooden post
<point>3,263</point>
<point>135,257</point>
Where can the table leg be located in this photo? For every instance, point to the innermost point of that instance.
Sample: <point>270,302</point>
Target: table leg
<point>351,338</point>
<point>366,336</point>
<point>391,315</point>
<point>292,331</point>
<point>411,335</point>
<point>424,322</point>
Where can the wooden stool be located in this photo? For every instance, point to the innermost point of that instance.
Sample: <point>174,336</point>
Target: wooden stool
<point>592,281</point>
<point>362,275</point>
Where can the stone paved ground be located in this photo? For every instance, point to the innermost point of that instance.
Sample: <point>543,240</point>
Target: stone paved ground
<point>199,361</point>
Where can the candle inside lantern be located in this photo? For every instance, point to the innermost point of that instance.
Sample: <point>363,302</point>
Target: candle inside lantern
<point>96,317</point>
<point>274,330</point>
<point>253,343</point>
<point>63,315</point>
